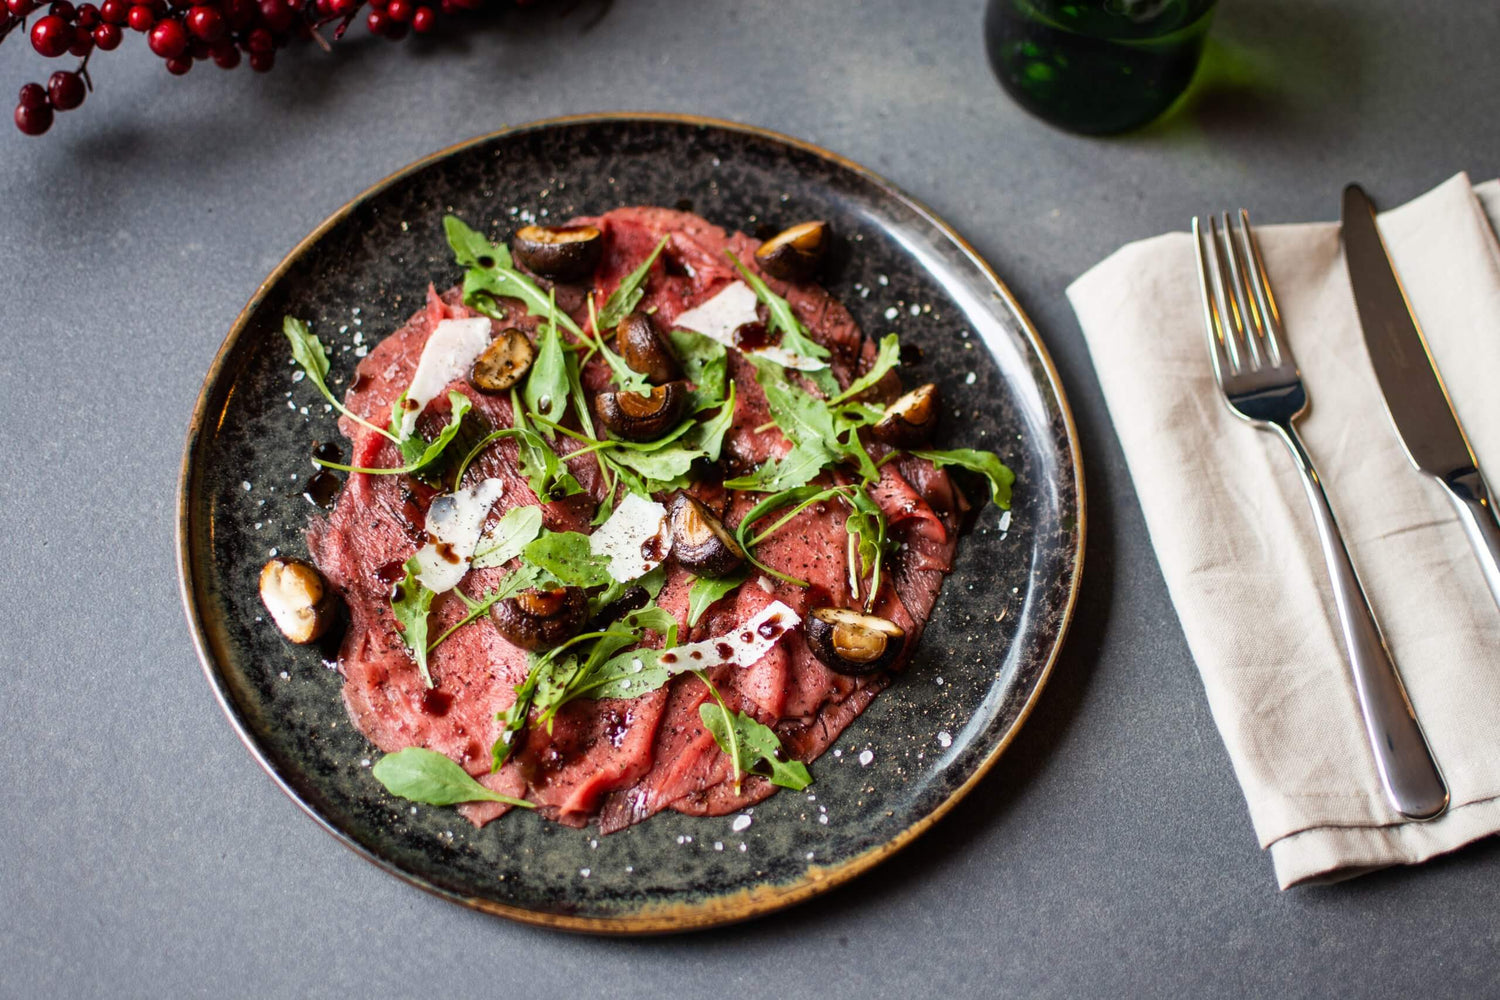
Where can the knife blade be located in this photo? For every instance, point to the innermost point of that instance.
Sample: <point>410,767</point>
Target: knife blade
<point>1415,398</point>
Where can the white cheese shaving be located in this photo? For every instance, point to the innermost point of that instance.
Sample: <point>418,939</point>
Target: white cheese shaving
<point>453,524</point>
<point>448,354</point>
<point>624,538</point>
<point>726,312</point>
<point>742,647</point>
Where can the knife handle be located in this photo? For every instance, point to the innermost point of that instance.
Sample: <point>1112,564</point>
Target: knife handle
<point>1413,784</point>
<point>1476,512</point>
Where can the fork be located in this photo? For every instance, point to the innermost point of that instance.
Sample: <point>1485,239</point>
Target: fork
<point>1260,383</point>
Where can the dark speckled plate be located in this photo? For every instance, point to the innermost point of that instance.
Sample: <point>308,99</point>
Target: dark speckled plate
<point>921,745</point>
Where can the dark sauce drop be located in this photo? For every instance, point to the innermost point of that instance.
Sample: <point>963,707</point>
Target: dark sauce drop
<point>391,572</point>
<point>669,657</point>
<point>749,336</point>
<point>446,553</point>
<point>746,636</point>
<point>675,266</point>
<point>684,204</point>
<point>725,650</point>
<point>322,488</point>
<point>327,451</point>
<point>770,628</point>
<point>651,549</point>
<point>485,260</point>
<point>436,702</point>
<point>696,654</point>
<point>910,354</point>
<point>360,381</point>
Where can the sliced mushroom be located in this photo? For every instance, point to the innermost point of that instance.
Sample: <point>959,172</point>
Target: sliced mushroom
<point>504,363</point>
<point>910,420</point>
<point>641,418</point>
<point>563,253</point>
<point>300,602</point>
<point>852,643</point>
<point>645,350</point>
<point>541,618</point>
<point>700,542</point>
<point>796,253</point>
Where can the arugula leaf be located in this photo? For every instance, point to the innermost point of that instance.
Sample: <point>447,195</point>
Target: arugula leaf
<point>664,466</point>
<point>626,377</point>
<point>807,423</point>
<point>473,249</point>
<point>887,358</point>
<point>430,451</point>
<point>867,523</point>
<point>750,744</point>
<point>425,776</point>
<point>986,463</point>
<point>705,590</point>
<point>705,362</point>
<point>793,334</point>
<point>510,535</point>
<point>651,583</point>
<point>566,555</point>
<point>308,352</point>
<point>513,719</point>
<point>410,604</point>
<point>656,618</point>
<point>627,675</point>
<point>498,277</point>
<point>625,298</point>
<point>546,391</point>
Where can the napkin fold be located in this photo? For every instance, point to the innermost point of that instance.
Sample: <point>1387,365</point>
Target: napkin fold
<point>1235,538</point>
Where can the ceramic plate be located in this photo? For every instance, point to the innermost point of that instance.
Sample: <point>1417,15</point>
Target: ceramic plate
<point>915,752</point>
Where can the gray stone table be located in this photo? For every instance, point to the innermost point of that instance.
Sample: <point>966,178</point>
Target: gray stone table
<point>143,852</point>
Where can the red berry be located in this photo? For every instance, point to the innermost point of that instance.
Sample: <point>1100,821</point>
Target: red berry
<point>107,36</point>
<point>423,20</point>
<point>262,62</point>
<point>241,13</point>
<point>206,23</point>
<point>260,40</point>
<point>323,8</point>
<point>20,8</point>
<point>140,17</point>
<point>228,57</point>
<point>399,10</point>
<point>179,65</point>
<point>114,11</point>
<point>34,121</point>
<point>88,16</point>
<point>66,90</point>
<point>63,9</point>
<point>83,44</point>
<point>51,36</point>
<point>276,15</point>
<point>377,21</point>
<point>33,95</point>
<point>168,38</point>
<point>448,7</point>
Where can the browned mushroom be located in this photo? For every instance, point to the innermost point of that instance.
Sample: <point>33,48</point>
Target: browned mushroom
<point>910,420</point>
<point>796,253</point>
<point>538,618</point>
<point>641,418</point>
<point>564,253</point>
<point>504,363</point>
<point>700,543</point>
<point>852,643</point>
<point>298,599</point>
<point>645,350</point>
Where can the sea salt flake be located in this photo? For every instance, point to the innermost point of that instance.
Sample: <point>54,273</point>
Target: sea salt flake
<point>866,758</point>
<point>970,378</point>
<point>741,822</point>
<point>585,872</point>
<point>945,740</point>
<point>892,313</point>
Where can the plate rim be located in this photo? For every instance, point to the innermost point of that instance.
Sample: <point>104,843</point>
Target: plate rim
<point>653,918</point>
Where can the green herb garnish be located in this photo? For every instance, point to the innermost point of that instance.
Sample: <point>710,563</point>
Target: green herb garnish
<point>490,272</point>
<point>705,590</point>
<point>308,351</point>
<point>511,534</point>
<point>411,602</point>
<point>430,451</point>
<point>567,556</point>
<point>749,744</point>
<point>705,362</point>
<point>427,776</point>
<point>546,390</point>
<point>888,357</point>
<point>625,298</point>
<point>986,463</point>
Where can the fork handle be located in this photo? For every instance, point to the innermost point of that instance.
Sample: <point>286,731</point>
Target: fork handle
<point>1408,772</point>
<point>1476,511</point>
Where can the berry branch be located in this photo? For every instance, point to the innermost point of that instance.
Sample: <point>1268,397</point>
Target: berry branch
<point>182,32</point>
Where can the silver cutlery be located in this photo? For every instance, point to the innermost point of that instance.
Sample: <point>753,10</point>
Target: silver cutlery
<point>1258,377</point>
<point>1413,390</point>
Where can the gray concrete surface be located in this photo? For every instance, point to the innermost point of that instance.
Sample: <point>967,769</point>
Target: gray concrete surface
<point>143,853</point>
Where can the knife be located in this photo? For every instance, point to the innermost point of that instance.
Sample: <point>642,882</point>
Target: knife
<point>1414,394</point>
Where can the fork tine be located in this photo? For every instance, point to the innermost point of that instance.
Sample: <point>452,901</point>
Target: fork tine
<point>1246,314</point>
<point>1265,300</point>
<point>1213,320</point>
<point>1229,309</point>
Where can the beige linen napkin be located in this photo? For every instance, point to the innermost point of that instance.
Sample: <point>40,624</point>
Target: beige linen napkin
<point>1235,538</point>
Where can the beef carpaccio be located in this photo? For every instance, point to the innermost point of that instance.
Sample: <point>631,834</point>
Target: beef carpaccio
<point>832,523</point>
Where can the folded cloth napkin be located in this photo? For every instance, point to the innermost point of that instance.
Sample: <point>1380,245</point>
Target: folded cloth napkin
<point>1235,537</point>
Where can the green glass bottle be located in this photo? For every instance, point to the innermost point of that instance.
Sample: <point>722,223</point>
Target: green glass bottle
<point>1096,66</point>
